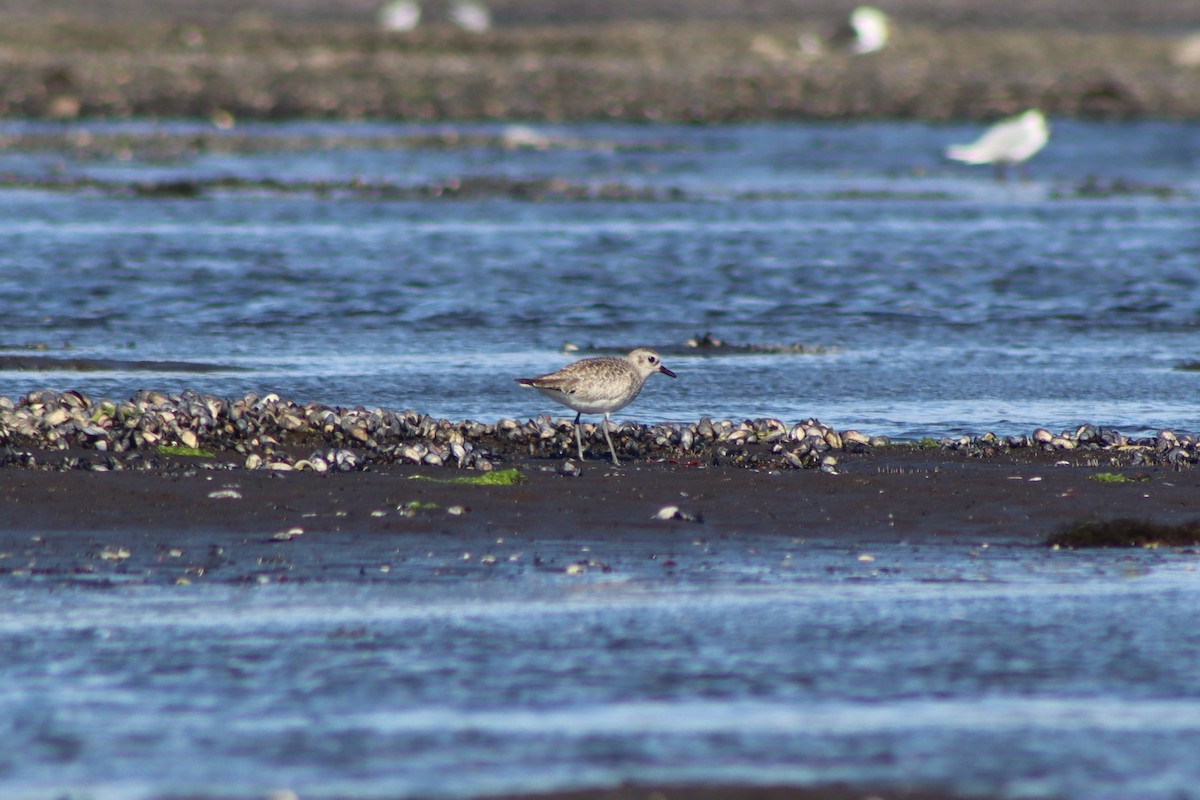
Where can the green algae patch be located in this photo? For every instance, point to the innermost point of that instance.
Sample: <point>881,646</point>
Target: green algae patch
<point>180,450</point>
<point>1116,477</point>
<point>500,477</point>
<point>1125,532</point>
<point>103,410</point>
<point>414,507</point>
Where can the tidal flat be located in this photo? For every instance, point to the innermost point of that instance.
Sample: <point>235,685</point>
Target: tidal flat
<point>916,521</point>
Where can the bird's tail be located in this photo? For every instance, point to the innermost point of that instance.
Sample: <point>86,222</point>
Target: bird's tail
<point>965,153</point>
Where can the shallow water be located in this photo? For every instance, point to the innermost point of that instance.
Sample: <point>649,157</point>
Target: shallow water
<point>1003,670</point>
<point>951,303</point>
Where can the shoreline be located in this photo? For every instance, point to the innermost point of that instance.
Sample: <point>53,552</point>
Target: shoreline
<point>171,473</point>
<point>705,71</point>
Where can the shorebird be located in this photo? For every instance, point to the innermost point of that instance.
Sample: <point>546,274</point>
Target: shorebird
<point>1008,143</point>
<point>599,386</point>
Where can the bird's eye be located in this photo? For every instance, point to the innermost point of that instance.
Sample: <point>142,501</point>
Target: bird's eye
<point>653,359</point>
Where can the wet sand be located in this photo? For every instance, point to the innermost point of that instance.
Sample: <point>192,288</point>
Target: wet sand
<point>335,526</point>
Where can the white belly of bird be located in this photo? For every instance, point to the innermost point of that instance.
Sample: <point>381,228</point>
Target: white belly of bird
<point>589,403</point>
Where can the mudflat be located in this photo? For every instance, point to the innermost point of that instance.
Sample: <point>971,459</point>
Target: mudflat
<point>229,523</point>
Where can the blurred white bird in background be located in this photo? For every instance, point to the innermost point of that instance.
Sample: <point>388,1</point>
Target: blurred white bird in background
<point>523,137</point>
<point>870,27</point>
<point>400,15</point>
<point>470,16</point>
<point>1008,143</point>
<point>866,30</point>
<point>1186,52</point>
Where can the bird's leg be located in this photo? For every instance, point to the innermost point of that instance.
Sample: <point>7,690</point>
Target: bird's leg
<point>578,438</point>
<point>611,449</point>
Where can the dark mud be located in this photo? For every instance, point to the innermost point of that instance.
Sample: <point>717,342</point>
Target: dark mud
<point>835,792</point>
<point>464,188</point>
<point>1126,532</point>
<point>316,521</point>
<point>28,363</point>
<point>537,190</point>
<point>707,344</point>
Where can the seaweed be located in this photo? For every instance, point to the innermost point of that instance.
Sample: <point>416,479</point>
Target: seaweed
<point>1117,477</point>
<point>500,477</point>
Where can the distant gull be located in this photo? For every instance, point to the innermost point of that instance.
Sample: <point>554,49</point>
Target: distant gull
<point>870,26</point>
<point>866,30</point>
<point>1186,52</point>
<point>523,137</point>
<point>400,16</point>
<point>470,16</point>
<point>1009,142</point>
<point>599,386</point>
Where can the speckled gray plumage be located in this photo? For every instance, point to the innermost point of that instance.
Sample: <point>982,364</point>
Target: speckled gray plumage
<point>599,385</point>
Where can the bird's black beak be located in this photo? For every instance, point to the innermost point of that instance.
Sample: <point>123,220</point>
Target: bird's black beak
<point>666,371</point>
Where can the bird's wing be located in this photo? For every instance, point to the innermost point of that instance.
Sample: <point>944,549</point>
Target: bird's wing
<point>554,382</point>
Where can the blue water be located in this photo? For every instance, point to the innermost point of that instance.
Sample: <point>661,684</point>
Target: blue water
<point>951,303</point>
<point>1003,671</point>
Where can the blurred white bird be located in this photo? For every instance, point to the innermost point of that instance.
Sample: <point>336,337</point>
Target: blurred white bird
<point>400,15</point>
<point>471,16</point>
<point>523,137</point>
<point>1009,142</point>
<point>1186,52</point>
<point>870,27</point>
